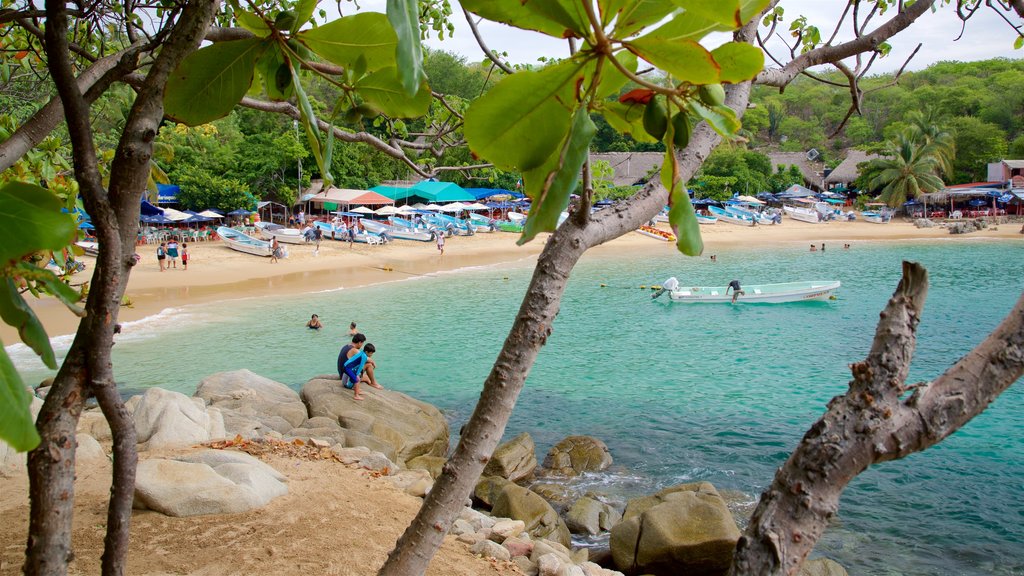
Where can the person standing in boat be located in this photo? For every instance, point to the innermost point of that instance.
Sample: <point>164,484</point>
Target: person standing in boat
<point>736,290</point>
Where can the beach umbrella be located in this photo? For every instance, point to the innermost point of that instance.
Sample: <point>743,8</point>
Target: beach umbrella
<point>85,226</point>
<point>476,206</point>
<point>499,197</point>
<point>420,206</point>
<point>210,214</point>
<point>977,202</point>
<point>406,210</point>
<point>386,211</point>
<point>454,207</point>
<point>239,212</point>
<point>434,207</point>
<point>363,210</point>
<point>175,215</point>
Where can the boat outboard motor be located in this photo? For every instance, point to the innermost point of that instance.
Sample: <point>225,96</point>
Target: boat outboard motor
<point>668,286</point>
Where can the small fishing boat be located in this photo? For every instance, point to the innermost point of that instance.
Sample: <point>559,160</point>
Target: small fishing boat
<point>655,233</point>
<point>340,233</point>
<point>243,242</point>
<point>758,217</point>
<point>731,217</point>
<point>90,248</point>
<point>752,293</point>
<point>383,229</point>
<point>517,217</point>
<point>876,217</point>
<point>270,231</point>
<point>702,219</point>
<point>812,215</point>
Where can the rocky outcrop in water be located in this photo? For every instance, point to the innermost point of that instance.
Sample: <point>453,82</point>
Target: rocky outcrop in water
<point>514,460</point>
<point>518,503</point>
<point>684,529</point>
<point>575,455</point>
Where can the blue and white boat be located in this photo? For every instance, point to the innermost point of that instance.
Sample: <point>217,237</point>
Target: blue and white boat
<point>340,233</point>
<point>732,217</point>
<point>752,293</point>
<point>243,242</point>
<point>383,229</point>
<point>876,217</point>
<point>702,219</point>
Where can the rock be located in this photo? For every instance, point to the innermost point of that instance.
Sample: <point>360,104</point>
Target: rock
<point>12,462</point>
<point>540,518</point>
<point>470,537</point>
<point>378,463</point>
<point>411,427</point>
<point>526,566</point>
<point>206,482</point>
<point>489,549</point>
<point>557,495</point>
<point>591,569</point>
<point>413,482</point>
<point>349,455</point>
<point>822,567</point>
<point>460,527</point>
<point>88,449</point>
<point>478,520</point>
<point>432,464</point>
<point>578,454</point>
<point>331,435</point>
<point>589,516</point>
<point>518,547</point>
<point>94,423</point>
<point>923,223</point>
<point>683,529</point>
<point>355,439</point>
<point>487,490</point>
<point>321,422</point>
<point>165,419</point>
<point>253,397</point>
<point>505,529</point>
<point>514,460</point>
<point>545,547</point>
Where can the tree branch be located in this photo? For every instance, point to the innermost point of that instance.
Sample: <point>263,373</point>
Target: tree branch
<point>487,51</point>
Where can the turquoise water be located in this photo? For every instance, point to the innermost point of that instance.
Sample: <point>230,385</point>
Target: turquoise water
<point>679,393</point>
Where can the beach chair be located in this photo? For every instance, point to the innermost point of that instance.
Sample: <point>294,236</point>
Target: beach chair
<point>373,240</point>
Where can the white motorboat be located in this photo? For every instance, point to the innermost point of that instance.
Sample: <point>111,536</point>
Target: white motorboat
<point>702,219</point>
<point>876,217</point>
<point>270,231</point>
<point>752,293</point>
<point>812,215</point>
<point>243,242</point>
<point>731,217</point>
<point>383,229</point>
<point>340,233</point>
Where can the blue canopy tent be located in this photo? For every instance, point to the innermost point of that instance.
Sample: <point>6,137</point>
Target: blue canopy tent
<point>155,219</point>
<point>148,209</point>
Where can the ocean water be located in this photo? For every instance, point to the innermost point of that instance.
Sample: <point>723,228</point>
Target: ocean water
<point>679,393</point>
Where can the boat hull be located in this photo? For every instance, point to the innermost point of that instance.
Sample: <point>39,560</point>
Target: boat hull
<point>285,235</point>
<point>706,220</point>
<point>395,233</point>
<point>874,218</point>
<point>808,215</point>
<point>331,233</point>
<point>729,217</point>
<point>244,243</point>
<point>758,293</point>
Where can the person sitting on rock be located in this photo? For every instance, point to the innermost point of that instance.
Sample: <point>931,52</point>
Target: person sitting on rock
<point>353,368</point>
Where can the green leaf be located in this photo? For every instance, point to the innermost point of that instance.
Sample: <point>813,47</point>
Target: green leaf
<point>608,9</point>
<point>612,80</point>
<point>686,60</point>
<point>405,18</point>
<point>514,13</point>
<point>211,81</point>
<point>640,13</point>
<point>722,119</point>
<point>310,124</point>
<point>17,427</point>
<point>30,221</point>
<point>366,35</point>
<point>568,13</point>
<point>383,89</point>
<point>551,184</point>
<point>738,61</point>
<point>520,122</point>
<point>751,8</point>
<point>688,26</point>
<point>1018,43</point>
<point>722,11</point>
<point>626,118</point>
<point>681,216</point>
<point>276,75</point>
<point>251,22</point>
<point>303,12</point>
<point>17,314</point>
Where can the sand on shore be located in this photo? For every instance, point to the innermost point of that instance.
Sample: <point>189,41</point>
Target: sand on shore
<point>218,273</point>
<point>335,520</point>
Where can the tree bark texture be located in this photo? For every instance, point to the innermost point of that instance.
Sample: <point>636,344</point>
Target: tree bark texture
<point>88,367</point>
<point>875,421</point>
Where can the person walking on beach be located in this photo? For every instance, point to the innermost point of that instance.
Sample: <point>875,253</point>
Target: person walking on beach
<point>318,235</point>
<point>314,323</point>
<point>736,291</point>
<point>172,252</point>
<point>275,250</point>
<point>184,256</point>
<point>440,242</point>
<point>161,255</point>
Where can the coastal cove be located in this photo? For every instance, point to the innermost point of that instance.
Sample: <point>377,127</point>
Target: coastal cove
<point>679,393</point>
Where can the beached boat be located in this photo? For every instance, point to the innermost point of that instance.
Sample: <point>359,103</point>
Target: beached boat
<point>655,233</point>
<point>731,217</point>
<point>270,231</point>
<point>812,215</point>
<point>516,217</point>
<point>876,217</point>
<point>382,229</point>
<point>702,219</point>
<point>340,233</point>
<point>760,218</point>
<point>243,242</point>
<point>752,293</point>
<point>90,248</point>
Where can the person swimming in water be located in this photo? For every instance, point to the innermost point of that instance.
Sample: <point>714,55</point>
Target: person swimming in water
<point>314,323</point>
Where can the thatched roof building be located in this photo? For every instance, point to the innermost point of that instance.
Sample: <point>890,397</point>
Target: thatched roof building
<point>630,167</point>
<point>847,171</point>
<point>811,170</point>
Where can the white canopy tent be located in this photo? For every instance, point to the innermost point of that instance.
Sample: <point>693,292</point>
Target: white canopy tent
<point>433,207</point>
<point>453,207</point>
<point>406,210</point>
<point>210,214</point>
<point>477,206</point>
<point>386,211</point>
<point>420,206</point>
<point>362,210</point>
<point>175,215</point>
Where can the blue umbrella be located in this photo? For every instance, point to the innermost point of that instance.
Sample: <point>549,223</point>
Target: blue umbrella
<point>239,212</point>
<point>978,202</point>
<point>85,226</point>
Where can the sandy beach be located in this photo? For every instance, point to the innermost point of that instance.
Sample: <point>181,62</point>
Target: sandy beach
<point>218,273</point>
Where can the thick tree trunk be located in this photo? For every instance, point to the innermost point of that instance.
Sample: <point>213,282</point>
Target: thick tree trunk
<point>873,423</point>
<point>88,367</point>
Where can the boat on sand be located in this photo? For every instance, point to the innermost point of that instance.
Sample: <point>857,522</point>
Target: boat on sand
<point>243,242</point>
<point>752,293</point>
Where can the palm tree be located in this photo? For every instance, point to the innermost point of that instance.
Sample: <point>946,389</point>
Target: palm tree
<point>906,171</point>
<point>925,131</point>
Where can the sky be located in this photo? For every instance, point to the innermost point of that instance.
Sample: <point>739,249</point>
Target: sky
<point>986,36</point>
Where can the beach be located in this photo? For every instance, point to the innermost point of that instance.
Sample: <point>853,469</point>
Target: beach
<point>217,273</point>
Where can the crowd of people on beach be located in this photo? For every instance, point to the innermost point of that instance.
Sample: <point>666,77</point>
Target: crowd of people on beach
<point>167,254</point>
<point>356,365</point>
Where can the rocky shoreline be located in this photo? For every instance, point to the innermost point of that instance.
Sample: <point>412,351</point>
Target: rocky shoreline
<point>521,513</point>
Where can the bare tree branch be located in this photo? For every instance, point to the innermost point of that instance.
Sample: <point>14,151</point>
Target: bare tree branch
<point>487,51</point>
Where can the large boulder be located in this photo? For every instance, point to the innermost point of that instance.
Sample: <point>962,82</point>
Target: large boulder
<point>684,529</point>
<point>410,427</point>
<point>514,460</point>
<point>432,464</point>
<point>165,419</point>
<point>822,567</point>
<point>575,455</point>
<point>206,482</point>
<point>591,516</point>
<point>487,490</point>
<point>518,503</point>
<point>252,404</point>
<point>12,462</point>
